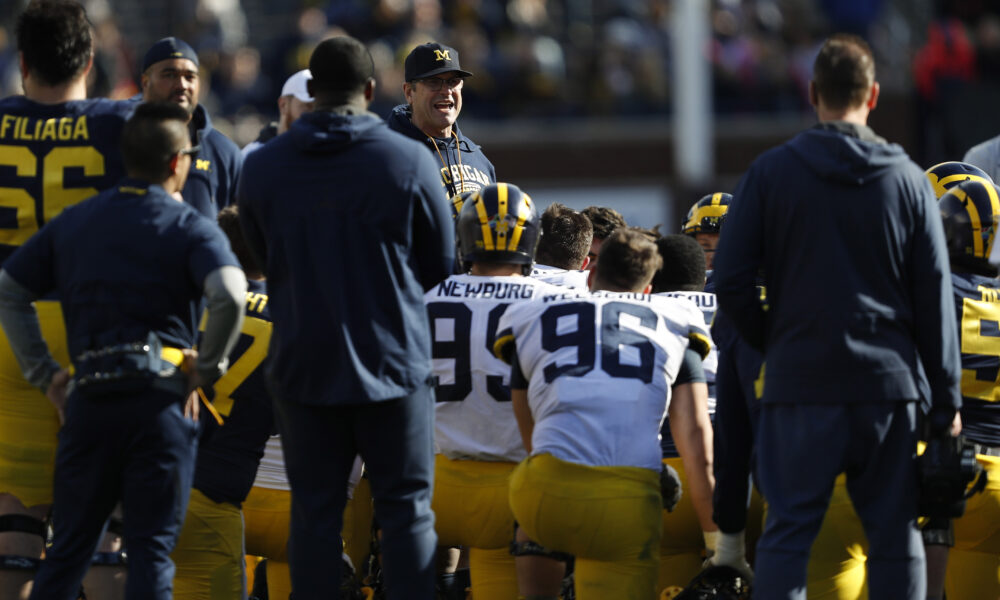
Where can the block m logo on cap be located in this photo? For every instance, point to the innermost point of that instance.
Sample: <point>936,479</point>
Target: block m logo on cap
<point>442,55</point>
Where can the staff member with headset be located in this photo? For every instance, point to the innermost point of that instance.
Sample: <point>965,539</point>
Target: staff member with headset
<point>130,267</point>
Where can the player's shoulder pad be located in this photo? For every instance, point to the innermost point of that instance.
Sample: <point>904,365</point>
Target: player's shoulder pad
<point>698,337</point>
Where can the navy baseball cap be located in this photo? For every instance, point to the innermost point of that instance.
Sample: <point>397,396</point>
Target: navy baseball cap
<point>428,60</point>
<point>169,47</point>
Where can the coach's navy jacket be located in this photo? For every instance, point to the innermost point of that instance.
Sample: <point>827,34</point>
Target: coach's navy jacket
<point>465,167</point>
<point>352,226</point>
<point>846,233</point>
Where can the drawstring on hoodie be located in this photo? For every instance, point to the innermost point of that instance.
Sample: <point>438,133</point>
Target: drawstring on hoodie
<point>458,149</point>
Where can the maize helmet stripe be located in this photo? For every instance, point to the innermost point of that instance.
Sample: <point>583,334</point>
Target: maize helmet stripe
<point>941,186</point>
<point>946,175</point>
<point>706,215</point>
<point>523,213</point>
<point>484,222</point>
<point>498,224</point>
<point>501,219</point>
<point>975,222</point>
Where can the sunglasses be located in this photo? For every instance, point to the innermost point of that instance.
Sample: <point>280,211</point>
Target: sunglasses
<point>435,84</point>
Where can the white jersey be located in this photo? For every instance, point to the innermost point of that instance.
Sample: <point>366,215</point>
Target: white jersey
<point>474,419</point>
<point>556,276</point>
<point>271,471</point>
<point>599,368</point>
<point>706,302</point>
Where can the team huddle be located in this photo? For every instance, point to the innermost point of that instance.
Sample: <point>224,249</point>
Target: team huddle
<point>349,362</point>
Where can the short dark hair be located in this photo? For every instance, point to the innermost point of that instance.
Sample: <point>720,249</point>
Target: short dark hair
<point>566,237</point>
<point>604,220</point>
<point>683,267</point>
<point>150,139</point>
<point>627,261</point>
<point>651,233</point>
<point>229,223</point>
<point>55,38</point>
<point>340,66</point>
<point>844,71</point>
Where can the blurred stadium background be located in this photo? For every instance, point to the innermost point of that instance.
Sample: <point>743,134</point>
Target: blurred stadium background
<point>643,105</point>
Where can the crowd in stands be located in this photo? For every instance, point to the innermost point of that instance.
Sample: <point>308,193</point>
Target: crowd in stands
<point>537,58</point>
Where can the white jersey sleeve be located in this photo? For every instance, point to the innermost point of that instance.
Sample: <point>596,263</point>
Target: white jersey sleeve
<point>599,369</point>
<point>706,303</point>
<point>556,276</point>
<point>271,472</point>
<point>474,419</point>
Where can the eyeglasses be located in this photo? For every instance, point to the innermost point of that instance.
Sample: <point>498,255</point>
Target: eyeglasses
<point>434,83</point>
<point>190,151</point>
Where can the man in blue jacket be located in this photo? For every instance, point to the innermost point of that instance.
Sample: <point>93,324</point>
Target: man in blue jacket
<point>350,224</point>
<point>130,266</point>
<point>845,230</point>
<point>433,91</point>
<point>170,74</point>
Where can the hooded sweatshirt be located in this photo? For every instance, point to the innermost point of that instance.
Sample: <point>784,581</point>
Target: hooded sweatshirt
<point>463,166</point>
<point>846,233</point>
<point>215,170</point>
<point>350,223</point>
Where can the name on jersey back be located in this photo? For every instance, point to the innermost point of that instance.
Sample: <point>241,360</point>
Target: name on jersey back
<point>485,289</point>
<point>63,129</point>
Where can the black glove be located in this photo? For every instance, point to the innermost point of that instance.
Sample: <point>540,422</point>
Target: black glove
<point>944,472</point>
<point>670,487</point>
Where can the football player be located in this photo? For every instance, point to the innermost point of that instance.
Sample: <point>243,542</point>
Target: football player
<point>591,377</point>
<point>562,251</point>
<point>604,221</point>
<point>971,214</point>
<point>704,220</point>
<point>476,435</point>
<point>688,530</point>
<point>209,555</point>
<point>56,149</point>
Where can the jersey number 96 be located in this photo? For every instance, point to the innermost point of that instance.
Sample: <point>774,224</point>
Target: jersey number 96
<point>613,340</point>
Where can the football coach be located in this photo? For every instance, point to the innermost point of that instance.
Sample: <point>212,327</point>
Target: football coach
<point>351,224</point>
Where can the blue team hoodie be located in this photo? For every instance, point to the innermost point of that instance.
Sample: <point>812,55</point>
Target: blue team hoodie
<point>846,233</point>
<point>465,166</point>
<point>215,170</point>
<point>351,225</point>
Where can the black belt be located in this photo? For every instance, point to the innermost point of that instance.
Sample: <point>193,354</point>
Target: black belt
<point>987,450</point>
